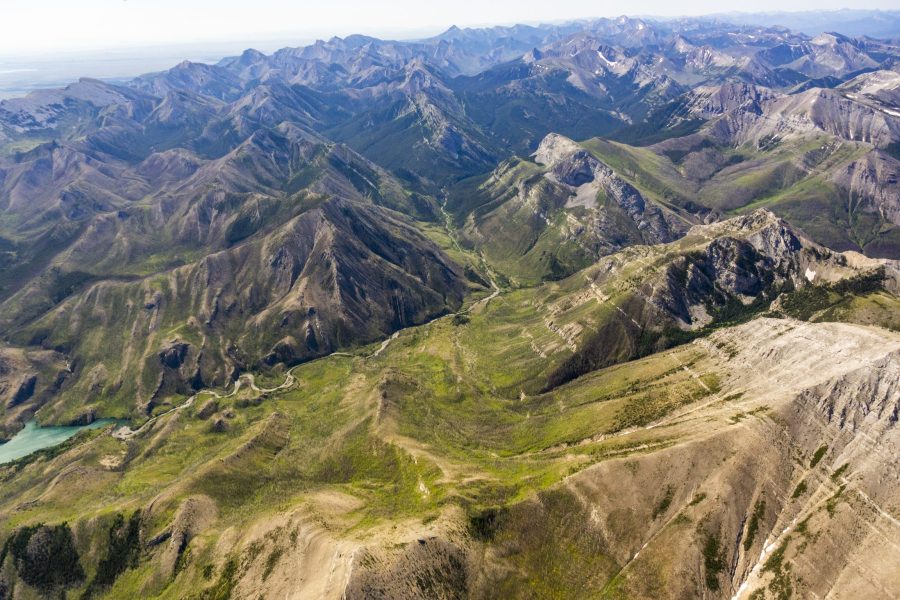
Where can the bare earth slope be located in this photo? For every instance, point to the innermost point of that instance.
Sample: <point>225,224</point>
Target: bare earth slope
<point>375,326</point>
<point>452,461</point>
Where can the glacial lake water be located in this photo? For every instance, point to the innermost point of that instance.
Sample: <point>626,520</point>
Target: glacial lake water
<point>33,438</point>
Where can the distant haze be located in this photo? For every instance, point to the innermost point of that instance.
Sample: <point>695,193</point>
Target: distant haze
<point>27,26</point>
<point>120,39</point>
<point>21,74</point>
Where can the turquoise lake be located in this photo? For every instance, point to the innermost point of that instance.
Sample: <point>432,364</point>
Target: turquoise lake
<point>33,437</point>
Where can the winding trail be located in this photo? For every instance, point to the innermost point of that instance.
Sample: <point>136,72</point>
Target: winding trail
<point>484,301</point>
<point>126,433</point>
<point>448,226</point>
<point>289,381</point>
<point>691,372</point>
<point>384,345</point>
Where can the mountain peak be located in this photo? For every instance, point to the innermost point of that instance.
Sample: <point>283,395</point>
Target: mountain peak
<point>453,32</point>
<point>537,207</point>
<point>251,55</point>
<point>553,148</point>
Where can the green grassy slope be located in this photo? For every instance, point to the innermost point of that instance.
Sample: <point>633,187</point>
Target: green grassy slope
<point>460,438</point>
<point>438,411</point>
<point>791,178</point>
<point>447,418</point>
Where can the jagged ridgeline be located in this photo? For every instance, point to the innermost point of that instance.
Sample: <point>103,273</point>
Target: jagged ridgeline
<point>605,309</point>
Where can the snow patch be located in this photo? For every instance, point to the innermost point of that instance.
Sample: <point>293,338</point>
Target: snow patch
<point>611,63</point>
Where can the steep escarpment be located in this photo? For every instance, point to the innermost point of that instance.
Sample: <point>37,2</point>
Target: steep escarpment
<point>717,480</point>
<point>822,109</point>
<point>718,273</point>
<point>341,274</point>
<point>169,209</point>
<point>27,378</point>
<point>438,466</point>
<point>872,187</point>
<point>769,488</point>
<point>550,217</point>
<point>820,158</point>
<point>578,169</point>
<point>373,330</point>
<point>710,102</point>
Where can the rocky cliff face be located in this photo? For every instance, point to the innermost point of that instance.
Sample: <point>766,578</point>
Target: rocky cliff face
<point>711,102</point>
<point>714,468</point>
<point>872,184</point>
<point>800,114</point>
<point>715,511</point>
<point>614,418</point>
<point>27,378</point>
<point>561,212</point>
<point>589,179</point>
<point>717,273</point>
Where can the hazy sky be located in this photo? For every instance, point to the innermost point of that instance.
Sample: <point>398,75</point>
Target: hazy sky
<point>29,25</point>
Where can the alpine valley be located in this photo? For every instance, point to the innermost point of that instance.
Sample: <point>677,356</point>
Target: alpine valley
<point>604,309</point>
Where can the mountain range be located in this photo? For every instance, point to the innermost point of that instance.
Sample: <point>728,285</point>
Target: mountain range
<point>598,309</point>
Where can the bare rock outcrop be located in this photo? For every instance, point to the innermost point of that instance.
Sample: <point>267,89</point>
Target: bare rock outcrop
<point>571,165</point>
